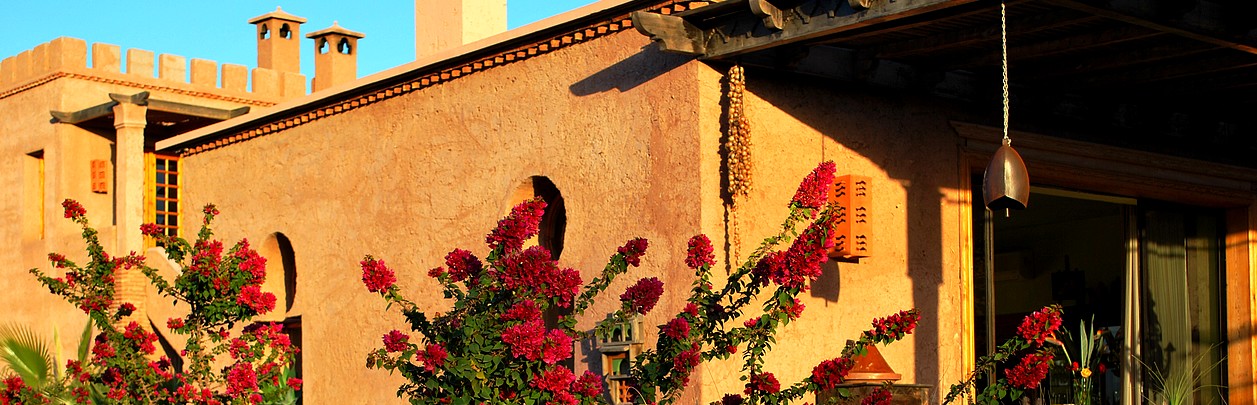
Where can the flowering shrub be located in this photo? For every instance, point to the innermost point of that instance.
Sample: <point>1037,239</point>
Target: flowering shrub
<point>1033,359</point>
<point>493,346</point>
<point>222,288</point>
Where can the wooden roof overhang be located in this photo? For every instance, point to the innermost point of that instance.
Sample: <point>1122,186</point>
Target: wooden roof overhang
<point>1173,75</point>
<point>164,118</point>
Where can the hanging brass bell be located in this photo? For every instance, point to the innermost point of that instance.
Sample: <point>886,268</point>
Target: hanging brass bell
<point>1006,184</point>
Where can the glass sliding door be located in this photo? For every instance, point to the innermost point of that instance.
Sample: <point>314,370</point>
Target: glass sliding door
<point>1148,273</point>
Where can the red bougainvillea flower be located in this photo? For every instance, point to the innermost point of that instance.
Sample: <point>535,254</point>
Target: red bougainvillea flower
<point>677,328</point>
<point>894,327</point>
<point>633,251</point>
<point>462,264</point>
<point>643,296</point>
<point>813,192</point>
<point>525,310</point>
<point>801,263</point>
<point>140,338</point>
<point>295,384</point>
<point>879,396</point>
<point>532,273</point>
<point>1040,325</point>
<point>762,382</point>
<point>174,323</point>
<point>73,209</point>
<point>731,399</point>
<point>795,310</point>
<point>126,309</point>
<point>518,226</point>
<point>1030,371</point>
<point>376,276</point>
<point>150,230</point>
<point>395,341</point>
<point>556,347</point>
<point>432,356</point>
<point>688,359</point>
<point>831,372</point>
<point>588,385</point>
<point>241,379</point>
<point>699,252</point>
<point>253,297</point>
<point>57,259</point>
<point>556,379</point>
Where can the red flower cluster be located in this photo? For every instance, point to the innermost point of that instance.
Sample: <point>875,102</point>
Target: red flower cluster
<point>241,379</point>
<point>395,341</point>
<point>377,276</point>
<point>762,382</point>
<point>879,396</point>
<point>643,296</point>
<point>688,359</point>
<point>814,190</point>
<point>699,253</point>
<point>1030,371</point>
<point>57,259</point>
<point>633,251</point>
<point>518,226</point>
<point>432,356</point>
<point>253,297</point>
<point>589,385</point>
<point>150,230</point>
<point>73,209</point>
<point>140,338</point>
<point>731,399</point>
<point>831,372</point>
<point>530,340</point>
<point>894,327</point>
<point>1040,325</point>
<point>533,273</point>
<point>462,264</point>
<point>525,310</point>
<point>558,381</point>
<point>174,323</point>
<point>677,328</point>
<point>794,311</point>
<point>251,262</point>
<point>801,263</point>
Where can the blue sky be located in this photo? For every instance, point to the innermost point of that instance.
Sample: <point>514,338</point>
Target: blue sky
<point>218,30</point>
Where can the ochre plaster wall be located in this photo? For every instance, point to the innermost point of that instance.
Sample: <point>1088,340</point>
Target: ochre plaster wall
<point>408,179</point>
<point>908,149</point>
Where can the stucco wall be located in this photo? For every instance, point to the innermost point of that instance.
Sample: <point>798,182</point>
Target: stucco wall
<point>410,178</point>
<point>905,144</point>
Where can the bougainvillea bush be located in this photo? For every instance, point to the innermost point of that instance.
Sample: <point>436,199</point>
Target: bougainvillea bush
<point>1021,362</point>
<point>218,365</point>
<point>493,345</point>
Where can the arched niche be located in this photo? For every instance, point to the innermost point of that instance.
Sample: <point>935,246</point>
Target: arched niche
<point>281,274</point>
<point>554,223</point>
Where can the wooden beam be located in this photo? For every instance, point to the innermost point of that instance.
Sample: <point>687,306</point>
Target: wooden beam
<point>981,34</point>
<point>1108,59</point>
<point>1217,61</point>
<point>673,33</point>
<point>744,33</point>
<point>1204,28</point>
<point>1020,53</point>
<point>80,116</point>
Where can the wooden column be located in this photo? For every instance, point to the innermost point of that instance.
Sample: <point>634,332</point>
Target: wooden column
<point>1241,267</point>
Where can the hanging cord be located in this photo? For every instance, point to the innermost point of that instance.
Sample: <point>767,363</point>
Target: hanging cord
<point>1003,38</point>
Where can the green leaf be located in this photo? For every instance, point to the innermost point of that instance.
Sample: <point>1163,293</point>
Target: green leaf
<point>26,354</point>
<point>85,342</point>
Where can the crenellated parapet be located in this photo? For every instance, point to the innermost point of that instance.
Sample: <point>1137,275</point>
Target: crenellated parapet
<point>68,57</point>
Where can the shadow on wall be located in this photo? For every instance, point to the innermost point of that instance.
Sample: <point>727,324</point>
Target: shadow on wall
<point>884,142</point>
<point>630,72</point>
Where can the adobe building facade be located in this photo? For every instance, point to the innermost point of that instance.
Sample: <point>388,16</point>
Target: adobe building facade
<point>410,163</point>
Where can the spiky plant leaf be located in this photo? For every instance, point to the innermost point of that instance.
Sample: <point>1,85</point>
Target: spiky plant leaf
<point>25,354</point>
<point>85,341</point>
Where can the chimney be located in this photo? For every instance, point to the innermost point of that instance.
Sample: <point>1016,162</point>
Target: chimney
<point>279,46</point>
<point>445,24</point>
<point>335,56</point>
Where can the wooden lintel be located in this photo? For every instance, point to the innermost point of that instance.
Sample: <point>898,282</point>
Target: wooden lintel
<point>738,34</point>
<point>195,110</point>
<point>673,33</point>
<point>80,116</point>
<point>1209,30</point>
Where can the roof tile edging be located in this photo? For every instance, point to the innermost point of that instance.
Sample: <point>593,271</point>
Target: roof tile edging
<point>579,35</point>
<point>202,94</point>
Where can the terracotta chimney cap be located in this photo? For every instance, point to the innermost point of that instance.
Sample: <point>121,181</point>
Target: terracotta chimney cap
<point>336,29</point>
<point>278,14</point>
